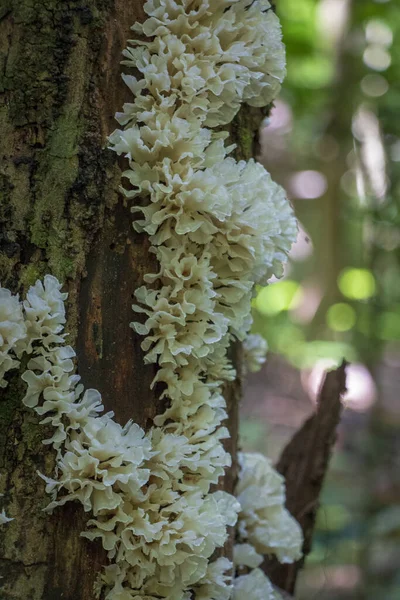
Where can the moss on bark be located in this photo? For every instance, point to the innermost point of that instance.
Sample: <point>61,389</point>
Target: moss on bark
<point>54,173</point>
<point>57,183</point>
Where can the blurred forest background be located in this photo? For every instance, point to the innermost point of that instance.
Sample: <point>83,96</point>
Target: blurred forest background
<point>333,141</point>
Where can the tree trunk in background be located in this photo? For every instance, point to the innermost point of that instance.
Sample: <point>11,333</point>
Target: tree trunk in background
<point>60,213</point>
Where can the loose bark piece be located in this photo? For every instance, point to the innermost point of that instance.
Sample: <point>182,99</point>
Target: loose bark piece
<point>304,463</point>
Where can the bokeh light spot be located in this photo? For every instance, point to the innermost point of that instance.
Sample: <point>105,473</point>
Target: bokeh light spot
<point>374,85</point>
<point>348,182</point>
<point>308,184</point>
<point>303,246</point>
<point>357,284</point>
<point>361,392</point>
<point>377,58</point>
<point>341,317</point>
<point>273,299</point>
<point>377,32</point>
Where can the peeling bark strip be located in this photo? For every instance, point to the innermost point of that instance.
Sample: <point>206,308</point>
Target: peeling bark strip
<point>304,463</point>
<point>60,86</point>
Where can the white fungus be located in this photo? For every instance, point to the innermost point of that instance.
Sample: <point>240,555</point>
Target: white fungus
<point>148,494</point>
<point>12,333</point>
<point>3,516</point>
<point>217,227</point>
<point>254,586</point>
<point>264,522</point>
<point>265,527</point>
<point>254,352</point>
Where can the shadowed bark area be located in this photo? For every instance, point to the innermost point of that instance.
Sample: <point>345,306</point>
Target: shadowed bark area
<point>60,213</point>
<point>304,463</point>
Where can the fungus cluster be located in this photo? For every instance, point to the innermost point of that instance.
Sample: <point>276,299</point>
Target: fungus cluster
<point>3,516</point>
<point>265,526</point>
<point>217,227</point>
<point>254,352</point>
<point>12,331</point>
<point>145,492</point>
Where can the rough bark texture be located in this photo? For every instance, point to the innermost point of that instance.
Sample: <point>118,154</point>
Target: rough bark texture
<point>60,213</point>
<point>60,88</point>
<point>304,463</point>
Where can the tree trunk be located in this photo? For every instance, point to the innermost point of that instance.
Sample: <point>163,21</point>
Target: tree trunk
<point>60,213</point>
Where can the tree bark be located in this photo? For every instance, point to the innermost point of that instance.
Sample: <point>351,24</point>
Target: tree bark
<point>304,463</point>
<point>60,213</point>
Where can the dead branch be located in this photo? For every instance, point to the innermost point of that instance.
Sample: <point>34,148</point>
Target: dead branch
<point>304,463</point>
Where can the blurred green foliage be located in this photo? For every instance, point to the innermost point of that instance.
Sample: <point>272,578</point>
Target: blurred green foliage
<point>338,123</point>
<point>356,236</point>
